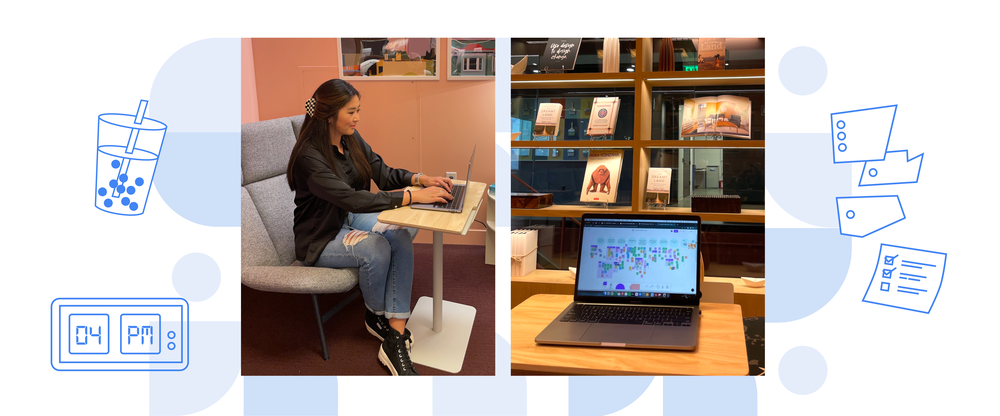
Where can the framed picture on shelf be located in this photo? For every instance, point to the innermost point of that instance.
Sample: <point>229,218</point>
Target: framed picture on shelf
<point>471,59</point>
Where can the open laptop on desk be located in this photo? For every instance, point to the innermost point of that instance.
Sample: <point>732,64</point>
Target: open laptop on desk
<point>457,193</point>
<point>637,284</point>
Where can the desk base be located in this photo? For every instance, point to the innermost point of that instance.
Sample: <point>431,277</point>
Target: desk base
<point>443,350</point>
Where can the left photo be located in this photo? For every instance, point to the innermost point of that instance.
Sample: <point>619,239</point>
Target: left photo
<point>366,165</point>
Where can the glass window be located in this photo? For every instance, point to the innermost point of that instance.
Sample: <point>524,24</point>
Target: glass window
<point>740,53</point>
<point>388,57</point>
<point>576,112</point>
<point>561,172</point>
<point>471,57</point>
<point>708,171</point>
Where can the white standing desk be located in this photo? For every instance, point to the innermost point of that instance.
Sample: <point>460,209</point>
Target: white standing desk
<point>440,329</point>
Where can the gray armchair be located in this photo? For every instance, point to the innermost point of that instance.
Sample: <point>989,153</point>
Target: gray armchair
<point>268,244</point>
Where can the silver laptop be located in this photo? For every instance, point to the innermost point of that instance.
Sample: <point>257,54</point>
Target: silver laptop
<point>637,284</point>
<point>457,193</point>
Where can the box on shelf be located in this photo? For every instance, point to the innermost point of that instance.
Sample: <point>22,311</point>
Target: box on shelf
<point>523,252</point>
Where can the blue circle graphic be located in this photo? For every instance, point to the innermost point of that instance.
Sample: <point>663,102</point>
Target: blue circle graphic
<point>841,136</point>
<point>842,147</point>
<point>802,370</point>
<point>108,203</point>
<point>125,201</point>
<point>171,345</point>
<point>115,163</point>
<point>872,172</point>
<point>120,189</point>
<point>130,190</point>
<point>802,70</point>
<point>196,277</point>
<point>850,214</point>
<point>113,184</point>
<point>123,177</point>
<point>102,192</point>
<point>133,206</point>
<point>171,334</point>
<point>138,181</point>
<point>841,124</point>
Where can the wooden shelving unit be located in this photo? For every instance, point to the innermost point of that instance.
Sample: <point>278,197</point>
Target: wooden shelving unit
<point>643,81</point>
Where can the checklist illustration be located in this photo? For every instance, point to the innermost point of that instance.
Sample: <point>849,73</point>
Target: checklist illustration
<point>910,278</point>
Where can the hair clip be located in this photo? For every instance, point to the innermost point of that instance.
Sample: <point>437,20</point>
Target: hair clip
<point>310,106</point>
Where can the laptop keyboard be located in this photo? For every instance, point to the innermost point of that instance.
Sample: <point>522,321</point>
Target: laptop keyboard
<point>632,315</point>
<point>456,192</point>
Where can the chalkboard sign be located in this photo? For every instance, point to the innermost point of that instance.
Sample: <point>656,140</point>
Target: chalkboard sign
<point>560,54</point>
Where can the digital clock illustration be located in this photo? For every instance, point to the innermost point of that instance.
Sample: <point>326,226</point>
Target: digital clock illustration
<point>120,334</point>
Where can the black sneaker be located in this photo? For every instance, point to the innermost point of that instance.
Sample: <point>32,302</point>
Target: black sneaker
<point>395,354</point>
<point>378,326</point>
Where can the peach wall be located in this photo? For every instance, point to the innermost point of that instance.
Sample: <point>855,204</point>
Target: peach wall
<point>248,84</point>
<point>428,126</point>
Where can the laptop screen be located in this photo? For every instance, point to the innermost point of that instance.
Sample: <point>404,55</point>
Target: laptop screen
<point>644,258</point>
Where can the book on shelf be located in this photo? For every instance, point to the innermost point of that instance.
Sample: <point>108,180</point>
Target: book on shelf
<point>658,182</point>
<point>711,54</point>
<point>548,119</point>
<point>604,168</point>
<point>603,116</point>
<point>725,115</point>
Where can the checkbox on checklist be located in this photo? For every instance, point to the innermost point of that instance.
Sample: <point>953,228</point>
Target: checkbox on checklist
<point>890,259</point>
<point>884,287</point>
<point>887,273</point>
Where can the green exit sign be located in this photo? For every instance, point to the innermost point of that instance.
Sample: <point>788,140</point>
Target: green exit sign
<point>688,68</point>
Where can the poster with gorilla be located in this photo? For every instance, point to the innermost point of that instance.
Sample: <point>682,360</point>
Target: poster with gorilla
<point>600,181</point>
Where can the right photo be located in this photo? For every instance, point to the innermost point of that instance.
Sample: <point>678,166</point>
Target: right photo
<point>637,206</point>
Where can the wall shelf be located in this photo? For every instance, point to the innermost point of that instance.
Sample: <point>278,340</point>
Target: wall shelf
<point>642,83</point>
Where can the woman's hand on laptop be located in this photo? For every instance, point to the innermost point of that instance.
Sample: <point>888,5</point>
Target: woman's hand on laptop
<point>435,181</point>
<point>431,195</point>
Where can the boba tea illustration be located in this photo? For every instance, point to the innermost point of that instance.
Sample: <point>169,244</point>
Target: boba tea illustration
<point>128,147</point>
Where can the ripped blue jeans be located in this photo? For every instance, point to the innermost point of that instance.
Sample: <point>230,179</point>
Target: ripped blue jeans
<point>383,254</point>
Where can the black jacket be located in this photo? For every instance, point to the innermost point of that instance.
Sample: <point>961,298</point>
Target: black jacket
<point>323,198</point>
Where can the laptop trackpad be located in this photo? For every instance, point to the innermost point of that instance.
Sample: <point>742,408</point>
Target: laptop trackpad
<point>628,334</point>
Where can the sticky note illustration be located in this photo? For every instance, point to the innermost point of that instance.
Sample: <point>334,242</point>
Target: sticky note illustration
<point>913,284</point>
<point>860,216</point>
<point>897,168</point>
<point>861,135</point>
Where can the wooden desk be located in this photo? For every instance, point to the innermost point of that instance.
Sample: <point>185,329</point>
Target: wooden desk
<point>721,346</point>
<point>433,346</point>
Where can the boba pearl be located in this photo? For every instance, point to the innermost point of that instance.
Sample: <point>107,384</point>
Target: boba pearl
<point>107,203</point>
<point>112,184</point>
<point>102,192</point>
<point>125,201</point>
<point>130,190</point>
<point>115,164</point>
<point>120,189</point>
<point>133,206</point>
<point>123,177</point>
<point>138,181</point>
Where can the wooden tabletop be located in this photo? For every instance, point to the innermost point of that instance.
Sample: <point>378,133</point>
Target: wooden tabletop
<point>446,222</point>
<point>721,346</point>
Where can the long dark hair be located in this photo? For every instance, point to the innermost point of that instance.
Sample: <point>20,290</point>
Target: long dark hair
<point>330,97</point>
